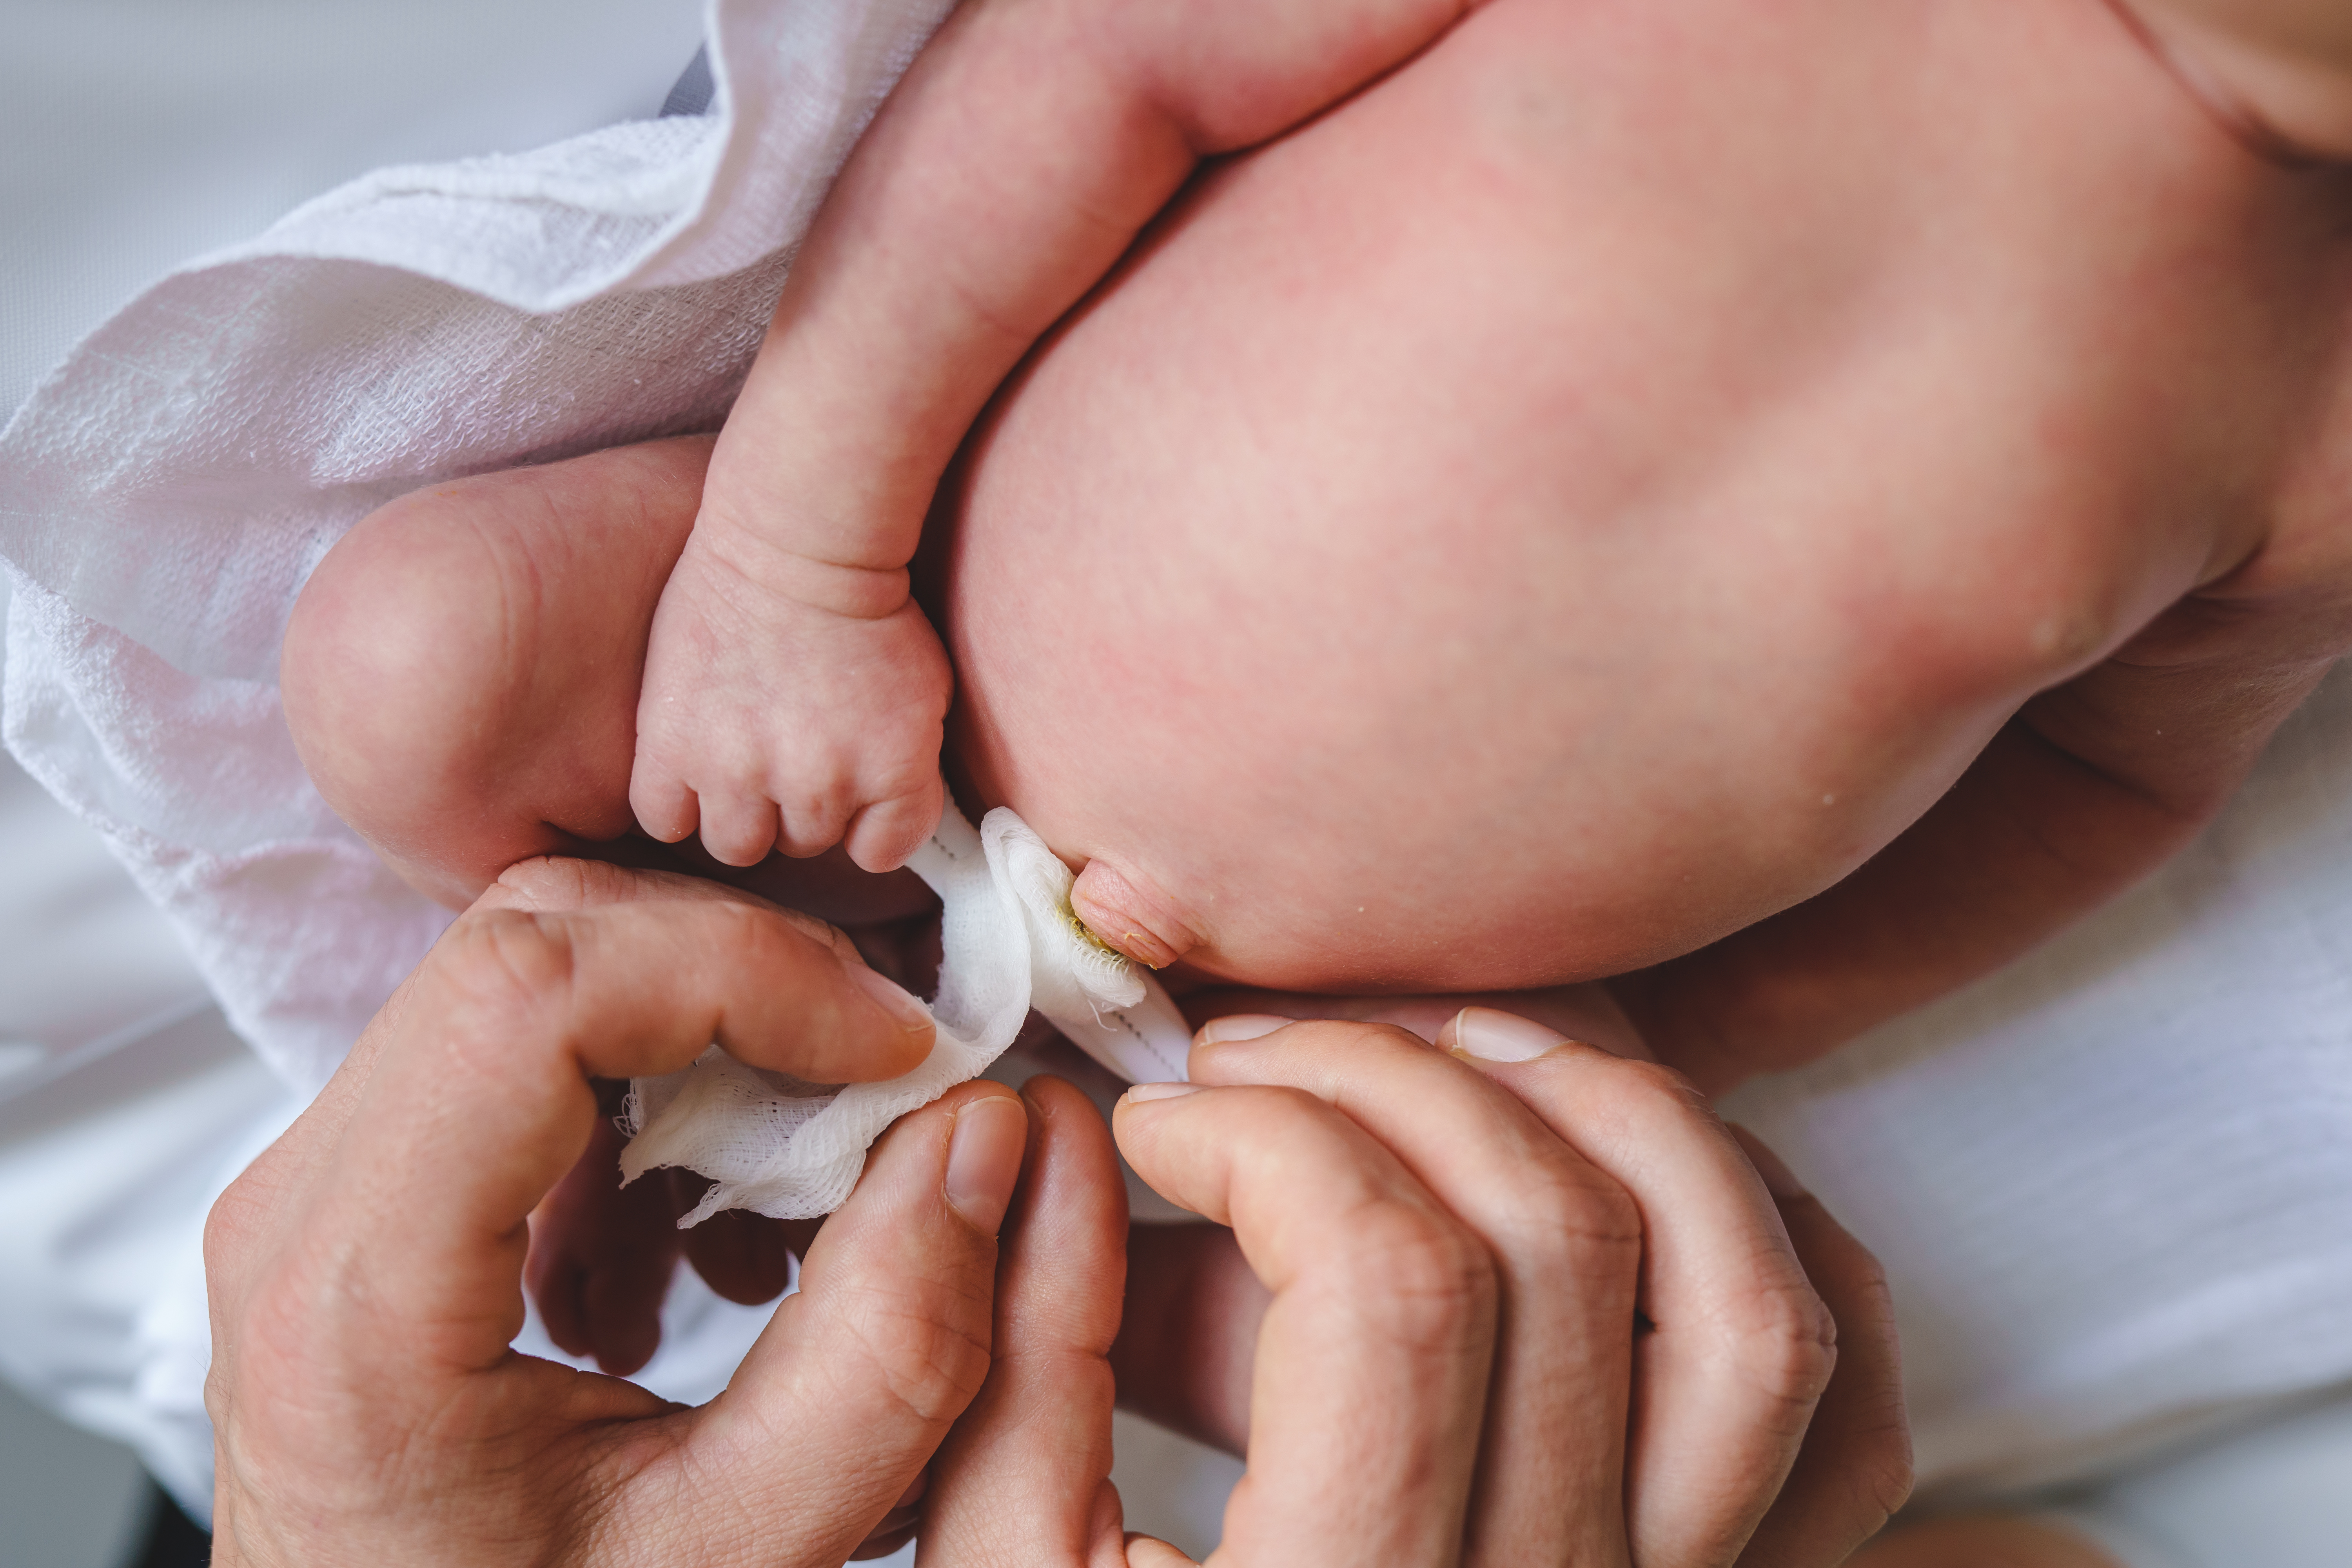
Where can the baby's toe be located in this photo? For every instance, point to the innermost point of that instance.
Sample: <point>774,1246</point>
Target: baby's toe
<point>883,835</point>
<point>740,829</point>
<point>662,803</point>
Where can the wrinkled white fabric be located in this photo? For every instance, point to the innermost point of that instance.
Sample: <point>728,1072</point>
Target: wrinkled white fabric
<point>171,485</point>
<point>133,134</point>
<point>1009,942</point>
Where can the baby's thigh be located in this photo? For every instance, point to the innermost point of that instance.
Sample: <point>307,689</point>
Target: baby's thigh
<point>461,672</point>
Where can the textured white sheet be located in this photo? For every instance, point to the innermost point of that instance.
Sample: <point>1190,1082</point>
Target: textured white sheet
<point>2112,1184</point>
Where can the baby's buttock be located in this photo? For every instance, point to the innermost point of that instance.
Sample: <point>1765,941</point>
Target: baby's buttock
<point>1380,561</point>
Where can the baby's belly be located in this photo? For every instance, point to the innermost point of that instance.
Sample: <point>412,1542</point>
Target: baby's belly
<point>1357,563</point>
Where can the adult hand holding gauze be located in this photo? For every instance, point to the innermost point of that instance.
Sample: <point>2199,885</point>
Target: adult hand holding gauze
<point>1455,1246</point>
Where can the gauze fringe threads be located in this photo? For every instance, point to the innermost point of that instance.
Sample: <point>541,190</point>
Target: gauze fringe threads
<point>791,1149</point>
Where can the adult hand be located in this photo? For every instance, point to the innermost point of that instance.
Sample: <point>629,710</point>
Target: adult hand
<point>1526,1303</point>
<point>365,1273</point>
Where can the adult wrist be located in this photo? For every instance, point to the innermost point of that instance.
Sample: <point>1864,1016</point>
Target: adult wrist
<point>2277,73</point>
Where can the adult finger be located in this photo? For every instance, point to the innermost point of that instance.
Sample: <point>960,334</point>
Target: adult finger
<point>1855,1469</point>
<point>1566,1243</point>
<point>806,1013</point>
<point>1022,1481</point>
<point>1586,1012</point>
<point>1740,1346</point>
<point>1369,1384</point>
<point>744,1257</point>
<point>601,1257</point>
<point>522,1009</point>
<point>1188,1337</point>
<point>848,1392</point>
<point>293,1166</point>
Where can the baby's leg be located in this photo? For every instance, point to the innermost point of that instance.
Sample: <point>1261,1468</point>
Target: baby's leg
<point>461,676</point>
<point>461,672</point>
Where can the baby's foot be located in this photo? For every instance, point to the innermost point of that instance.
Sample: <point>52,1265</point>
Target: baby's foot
<point>789,704</point>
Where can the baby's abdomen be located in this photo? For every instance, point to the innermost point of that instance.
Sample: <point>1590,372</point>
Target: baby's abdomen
<point>1362,563</point>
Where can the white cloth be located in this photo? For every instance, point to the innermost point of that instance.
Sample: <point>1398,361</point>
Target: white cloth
<point>125,1104</point>
<point>136,133</point>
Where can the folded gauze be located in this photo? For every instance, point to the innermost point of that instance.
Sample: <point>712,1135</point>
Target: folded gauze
<point>1008,942</point>
<point>166,491</point>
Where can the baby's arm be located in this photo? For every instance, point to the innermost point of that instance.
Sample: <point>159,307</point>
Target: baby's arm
<point>794,692</point>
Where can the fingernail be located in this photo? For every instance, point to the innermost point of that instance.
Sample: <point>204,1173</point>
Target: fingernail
<point>1489,1034</point>
<point>1143,1091</point>
<point>1241,1027</point>
<point>905,1011</point>
<point>1778,1180</point>
<point>985,1160</point>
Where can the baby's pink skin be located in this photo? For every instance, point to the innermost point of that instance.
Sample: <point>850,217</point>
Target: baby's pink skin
<point>790,704</point>
<point>461,678</point>
<point>1600,485</point>
<point>1588,492</point>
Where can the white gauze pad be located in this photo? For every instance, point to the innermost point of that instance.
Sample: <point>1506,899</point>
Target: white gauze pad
<point>1008,942</point>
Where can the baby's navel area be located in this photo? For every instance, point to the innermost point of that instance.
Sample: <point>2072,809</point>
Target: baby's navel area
<point>1511,502</point>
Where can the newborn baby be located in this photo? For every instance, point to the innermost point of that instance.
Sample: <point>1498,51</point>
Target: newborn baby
<point>1510,521</point>
<point>1590,488</point>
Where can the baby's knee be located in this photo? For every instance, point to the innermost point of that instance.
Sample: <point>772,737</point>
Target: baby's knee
<point>460,673</point>
<point>394,676</point>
